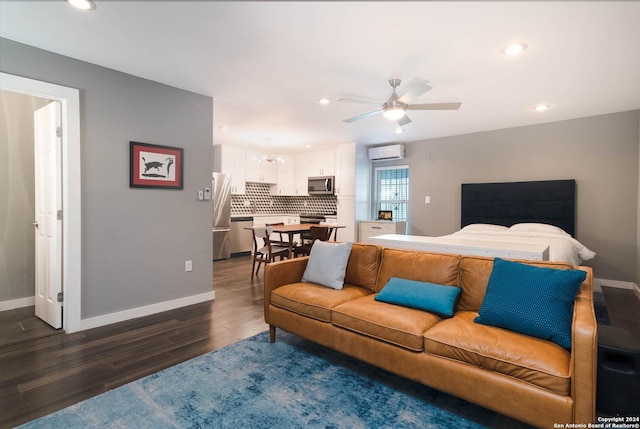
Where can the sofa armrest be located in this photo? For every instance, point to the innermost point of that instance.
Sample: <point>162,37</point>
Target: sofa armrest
<point>281,273</point>
<point>584,353</point>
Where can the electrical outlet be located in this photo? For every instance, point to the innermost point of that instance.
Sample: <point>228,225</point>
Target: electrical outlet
<point>188,266</point>
<point>427,200</point>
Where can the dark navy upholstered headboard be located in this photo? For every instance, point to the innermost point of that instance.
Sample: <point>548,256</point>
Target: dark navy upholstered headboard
<point>549,201</point>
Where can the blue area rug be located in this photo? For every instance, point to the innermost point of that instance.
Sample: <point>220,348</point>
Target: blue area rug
<point>290,384</point>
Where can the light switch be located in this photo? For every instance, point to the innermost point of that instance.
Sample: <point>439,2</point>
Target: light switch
<point>427,199</point>
<point>200,195</point>
<point>207,193</point>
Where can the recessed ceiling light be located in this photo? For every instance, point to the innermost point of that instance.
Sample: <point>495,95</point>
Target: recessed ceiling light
<point>514,48</point>
<point>324,101</point>
<point>542,107</point>
<point>82,4</point>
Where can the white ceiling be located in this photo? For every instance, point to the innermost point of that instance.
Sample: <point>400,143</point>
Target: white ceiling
<point>267,63</point>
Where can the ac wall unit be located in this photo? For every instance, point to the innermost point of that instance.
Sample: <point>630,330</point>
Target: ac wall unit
<point>386,153</point>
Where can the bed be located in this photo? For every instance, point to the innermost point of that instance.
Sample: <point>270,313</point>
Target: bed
<point>523,220</point>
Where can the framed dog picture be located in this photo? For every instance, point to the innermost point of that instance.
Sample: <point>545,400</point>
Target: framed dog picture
<point>155,166</point>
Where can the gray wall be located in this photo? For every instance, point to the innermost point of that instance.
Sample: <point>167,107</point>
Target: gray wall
<point>134,241</point>
<point>600,153</point>
<point>17,211</point>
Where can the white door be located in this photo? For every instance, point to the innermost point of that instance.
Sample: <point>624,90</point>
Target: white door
<point>48,224</point>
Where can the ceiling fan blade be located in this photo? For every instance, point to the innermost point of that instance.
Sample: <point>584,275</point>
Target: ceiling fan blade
<point>404,121</point>
<point>414,89</point>
<point>364,115</point>
<point>435,106</point>
<point>353,100</point>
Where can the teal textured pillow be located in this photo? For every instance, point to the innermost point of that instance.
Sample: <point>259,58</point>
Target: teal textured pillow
<point>531,300</point>
<point>432,297</point>
<point>327,264</point>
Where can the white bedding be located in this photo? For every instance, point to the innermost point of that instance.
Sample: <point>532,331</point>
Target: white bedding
<point>562,247</point>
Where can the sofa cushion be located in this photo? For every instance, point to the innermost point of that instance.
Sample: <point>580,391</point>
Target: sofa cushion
<point>327,264</point>
<point>531,300</point>
<point>387,322</point>
<point>533,360</point>
<point>425,296</point>
<point>420,266</point>
<point>313,300</point>
<point>363,265</point>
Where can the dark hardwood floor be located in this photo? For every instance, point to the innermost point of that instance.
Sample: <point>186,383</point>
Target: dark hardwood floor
<point>40,376</point>
<point>22,324</point>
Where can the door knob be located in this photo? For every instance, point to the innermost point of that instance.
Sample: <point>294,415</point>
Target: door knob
<point>35,224</point>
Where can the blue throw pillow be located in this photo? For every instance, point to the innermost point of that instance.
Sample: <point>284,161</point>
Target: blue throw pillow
<point>531,300</point>
<point>435,298</point>
<point>327,264</point>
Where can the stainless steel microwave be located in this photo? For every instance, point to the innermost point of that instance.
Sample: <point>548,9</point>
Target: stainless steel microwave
<point>321,185</point>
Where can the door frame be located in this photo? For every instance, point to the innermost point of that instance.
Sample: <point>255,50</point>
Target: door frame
<point>71,188</point>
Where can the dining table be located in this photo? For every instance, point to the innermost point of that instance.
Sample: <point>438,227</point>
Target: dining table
<point>300,228</point>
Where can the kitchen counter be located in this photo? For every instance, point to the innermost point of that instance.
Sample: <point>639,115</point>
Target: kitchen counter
<point>255,215</point>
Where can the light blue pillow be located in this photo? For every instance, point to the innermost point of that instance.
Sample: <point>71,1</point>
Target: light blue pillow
<point>432,297</point>
<point>327,264</point>
<point>531,300</point>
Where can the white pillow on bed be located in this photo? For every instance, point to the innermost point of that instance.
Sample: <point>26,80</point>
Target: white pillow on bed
<point>484,227</point>
<point>538,227</point>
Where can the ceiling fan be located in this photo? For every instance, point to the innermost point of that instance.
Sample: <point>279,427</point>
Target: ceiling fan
<point>395,108</point>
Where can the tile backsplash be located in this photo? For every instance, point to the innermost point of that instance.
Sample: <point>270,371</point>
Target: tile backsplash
<point>257,200</point>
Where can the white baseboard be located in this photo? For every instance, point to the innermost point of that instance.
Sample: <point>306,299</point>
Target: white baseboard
<point>17,303</point>
<point>147,310</point>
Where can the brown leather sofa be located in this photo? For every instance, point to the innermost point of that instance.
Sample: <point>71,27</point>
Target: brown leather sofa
<point>529,379</point>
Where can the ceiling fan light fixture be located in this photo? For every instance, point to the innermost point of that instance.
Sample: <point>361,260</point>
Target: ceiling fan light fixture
<point>394,113</point>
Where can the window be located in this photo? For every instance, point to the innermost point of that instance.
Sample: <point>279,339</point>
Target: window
<point>392,191</point>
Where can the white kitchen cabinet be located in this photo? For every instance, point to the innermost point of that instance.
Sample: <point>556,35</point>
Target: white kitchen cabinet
<point>371,228</point>
<point>285,177</point>
<point>345,169</point>
<point>231,160</point>
<point>301,173</point>
<point>322,163</point>
<point>346,216</point>
<point>258,170</point>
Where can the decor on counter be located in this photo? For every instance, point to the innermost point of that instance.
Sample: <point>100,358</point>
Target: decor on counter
<point>155,166</point>
<point>385,215</point>
<point>291,384</point>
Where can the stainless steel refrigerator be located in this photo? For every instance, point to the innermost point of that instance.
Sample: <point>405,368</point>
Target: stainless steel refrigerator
<point>221,195</point>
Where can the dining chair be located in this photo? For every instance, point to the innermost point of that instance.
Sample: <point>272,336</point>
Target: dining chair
<point>322,233</point>
<point>282,241</point>
<point>264,250</point>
